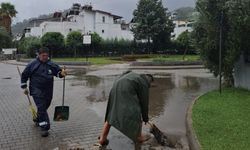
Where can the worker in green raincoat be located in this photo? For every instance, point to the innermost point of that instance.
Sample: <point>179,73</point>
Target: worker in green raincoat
<point>127,106</point>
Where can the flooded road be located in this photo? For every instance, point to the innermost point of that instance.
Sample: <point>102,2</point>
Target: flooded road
<point>170,97</point>
<point>86,94</point>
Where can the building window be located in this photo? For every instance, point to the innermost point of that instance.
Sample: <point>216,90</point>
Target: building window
<point>181,25</point>
<point>102,31</point>
<point>103,19</point>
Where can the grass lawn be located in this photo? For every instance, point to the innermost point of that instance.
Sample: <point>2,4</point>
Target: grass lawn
<point>93,60</point>
<point>116,60</point>
<point>171,58</point>
<point>222,122</point>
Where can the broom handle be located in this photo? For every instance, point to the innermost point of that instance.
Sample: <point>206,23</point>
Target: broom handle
<point>63,88</point>
<point>27,94</point>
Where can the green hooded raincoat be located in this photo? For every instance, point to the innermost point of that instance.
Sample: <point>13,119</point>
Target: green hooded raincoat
<point>128,104</point>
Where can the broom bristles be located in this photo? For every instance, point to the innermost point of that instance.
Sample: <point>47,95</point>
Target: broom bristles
<point>159,135</point>
<point>33,112</point>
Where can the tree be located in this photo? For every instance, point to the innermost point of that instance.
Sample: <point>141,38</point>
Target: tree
<point>29,45</point>
<point>54,41</point>
<point>5,39</point>
<point>74,41</point>
<point>151,22</point>
<point>232,17</point>
<point>185,42</point>
<point>96,41</point>
<point>7,11</point>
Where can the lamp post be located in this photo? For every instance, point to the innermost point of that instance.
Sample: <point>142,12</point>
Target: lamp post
<point>220,51</point>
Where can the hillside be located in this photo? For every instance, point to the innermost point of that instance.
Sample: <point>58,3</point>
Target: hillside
<point>185,13</point>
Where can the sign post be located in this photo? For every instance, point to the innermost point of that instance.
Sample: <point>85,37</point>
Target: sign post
<point>87,41</point>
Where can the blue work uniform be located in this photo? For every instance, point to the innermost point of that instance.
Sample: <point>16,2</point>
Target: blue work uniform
<point>41,76</point>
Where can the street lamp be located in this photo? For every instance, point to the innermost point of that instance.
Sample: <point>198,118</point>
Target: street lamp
<point>220,50</point>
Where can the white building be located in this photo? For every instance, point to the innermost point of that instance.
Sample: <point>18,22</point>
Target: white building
<point>85,20</point>
<point>180,27</point>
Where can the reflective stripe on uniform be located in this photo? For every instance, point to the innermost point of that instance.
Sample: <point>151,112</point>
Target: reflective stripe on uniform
<point>58,74</point>
<point>23,84</point>
<point>43,123</point>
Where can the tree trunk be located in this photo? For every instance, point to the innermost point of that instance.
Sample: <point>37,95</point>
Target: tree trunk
<point>185,52</point>
<point>229,80</point>
<point>148,45</point>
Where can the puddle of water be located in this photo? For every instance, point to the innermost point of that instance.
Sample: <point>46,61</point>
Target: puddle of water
<point>169,99</point>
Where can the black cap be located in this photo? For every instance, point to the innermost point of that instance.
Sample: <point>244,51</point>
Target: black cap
<point>43,50</point>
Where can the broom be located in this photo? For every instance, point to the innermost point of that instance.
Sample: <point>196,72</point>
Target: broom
<point>31,107</point>
<point>160,137</point>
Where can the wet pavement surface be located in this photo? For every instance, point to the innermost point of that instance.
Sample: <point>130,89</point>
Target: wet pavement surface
<point>86,95</point>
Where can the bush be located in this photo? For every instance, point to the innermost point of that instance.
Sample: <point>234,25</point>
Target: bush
<point>54,41</point>
<point>74,42</point>
<point>5,39</point>
<point>134,57</point>
<point>116,46</point>
<point>29,45</point>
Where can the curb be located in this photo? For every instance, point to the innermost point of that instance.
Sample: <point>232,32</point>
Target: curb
<point>174,63</point>
<point>192,137</point>
<point>63,63</point>
<point>67,66</point>
<point>168,67</point>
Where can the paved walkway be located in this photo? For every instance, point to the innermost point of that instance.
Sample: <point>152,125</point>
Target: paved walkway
<point>16,127</point>
<point>18,132</point>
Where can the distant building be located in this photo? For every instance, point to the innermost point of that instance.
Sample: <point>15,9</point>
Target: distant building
<point>85,20</point>
<point>180,27</point>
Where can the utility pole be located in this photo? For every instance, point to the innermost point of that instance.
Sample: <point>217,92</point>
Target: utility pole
<point>220,51</point>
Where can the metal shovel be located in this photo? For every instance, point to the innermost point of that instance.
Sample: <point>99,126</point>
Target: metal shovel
<point>62,112</point>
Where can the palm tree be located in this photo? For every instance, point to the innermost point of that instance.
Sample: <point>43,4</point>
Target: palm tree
<point>7,11</point>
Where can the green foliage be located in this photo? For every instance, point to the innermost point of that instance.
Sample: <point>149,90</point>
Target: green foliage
<point>74,40</point>
<point>7,9</point>
<point>221,121</point>
<point>54,41</point>
<point>96,41</point>
<point>151,22</point>
<point>92,60</point>
<point>5,39</point>
<point>184,39</point>
<point>234,18</point>
<point>116,46</point>
<point>185,13</point>
<point>135,57</point>
<point>29,45</point>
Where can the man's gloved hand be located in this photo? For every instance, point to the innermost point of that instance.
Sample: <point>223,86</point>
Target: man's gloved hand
<point>23,85</point>
<point>145,120</point>
<point>26,91</point>
<point>63,73</point>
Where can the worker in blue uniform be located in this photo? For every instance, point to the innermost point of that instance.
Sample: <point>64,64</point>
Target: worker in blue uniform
<point>40,72</point>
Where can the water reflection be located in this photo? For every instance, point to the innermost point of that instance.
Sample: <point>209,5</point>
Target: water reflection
<point>169,98</point>
<point>166,87</point>
<point>158,94</point>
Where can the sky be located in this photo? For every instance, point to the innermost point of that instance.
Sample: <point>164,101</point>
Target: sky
<point>33,8</point>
